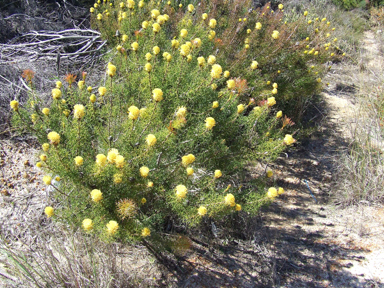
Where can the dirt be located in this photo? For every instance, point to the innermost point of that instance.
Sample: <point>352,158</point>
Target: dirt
<point>303,239</point>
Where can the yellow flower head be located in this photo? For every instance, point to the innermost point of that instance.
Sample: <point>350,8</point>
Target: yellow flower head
<point>112,227</point>
<point>45,110</point>
<point>148,67</point>
<point>96,195</point>
<point>135,46</point>
<point>148,56</point>
<point>212,23</point>
<point>45,147</point>
<point>218,174</point>
<point>211,35</point>
<point>215,104</point>
<point>211,60</point>
<point>124,38</point>
<point>56,93</point>
<point>202,211</point>
<point>230,200</point>
<point>126,208</point>
<point>280,6</point>
<point>92,98</point>
<point>271,101</point>
<point>181,112</point>
<point>54,137</point>
<point>49,211</point>
<point>160,19</point>
<point>196,42</point>
<point>238,207</point>
<point>201,61</point>
<point>155,27</point>
<point>99,17</point>
<point>130,4</point>
<point>112,154</point>
<point>143,200</point>
<point>150,184</point>
<point>120,161</point>
<point>216,71</point>
<point>134,112</point>
<point>258,26</point>
<point>272,193</point>
<point>175,44</point>
<point>275,34</point>
<point>240,108</point>
<point>47,180</point>
<point>279,114</point>
<point>156,50</point>
<point>111,70</point>
<point>79,161</point>
<point>190,8</point>
<point>187,160</point>
<point>204,16</point>
<point>210,123</point>
<point>185,50</point>
<point>214,86</point>
<point>145,24</point>
<point>43,157</point>
<point>280,191</point>
<point>144,171</point>
<point>249,31</point>
<point>101,160</point>
<point>102,91</point>
<point>190,171</point>
<point>181,191</point>
<point>151,140</point>
<point>155,13</point>
<point>59,84</point>
<point>87,224</point>
<point>269,173</point>
<point>305,13</point>
<point>79,111</point>
<point>157,94</point>
<point>80,84</point>
<point>89,89</point>
<point>34,118</point>
<point>231,84</point>
<point>288,139</point>
<point>183,33</point>
<point>145,232</point>
<point>141,4</point>
<point>254,65</point>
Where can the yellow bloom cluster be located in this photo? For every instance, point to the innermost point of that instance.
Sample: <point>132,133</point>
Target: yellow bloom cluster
<point>210,123</point>
<point>56,93</point>
<point>288,139</point>
<point>96,195</point>
<point>230,200</point>
<point>181,112</point>
<point>49,211</point>
<point>134,112</point>
<point>78,111</point>
<point>146,232</point>
<point>79,161</point>
<point>151,140</point>
<point>187,160</point>
<point>112,227</point>
<point>211,60</point>
<point>275,34</point>
<point>271,101</point>
<point>101,160</point>
<point>47,180</point>
<point>218,174</point>
<point>181,191</point>
<point>144,171</point>
<point>185,50</point>
<point>111,70</point>
<point>45,147</point>
<point>216,71</point>
<point>157,94</point>
<point>54,138</point>
<point>202,211</point>
<point>87,224</point>
<point>111,156</point>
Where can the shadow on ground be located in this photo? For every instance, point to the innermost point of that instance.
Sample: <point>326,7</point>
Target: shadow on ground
<point>291,243</point>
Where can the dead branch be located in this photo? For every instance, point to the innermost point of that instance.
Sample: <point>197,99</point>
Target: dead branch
<point>73,45</point>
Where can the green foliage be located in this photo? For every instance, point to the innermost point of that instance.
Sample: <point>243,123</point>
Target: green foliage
<point>158,116</point>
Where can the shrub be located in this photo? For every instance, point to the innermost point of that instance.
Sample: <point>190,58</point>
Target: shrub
<point>188,101</point>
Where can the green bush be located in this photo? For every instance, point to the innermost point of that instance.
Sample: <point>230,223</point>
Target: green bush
<point>188,101</point>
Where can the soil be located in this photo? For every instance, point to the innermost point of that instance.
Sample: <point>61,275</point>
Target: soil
<point>302,240</point>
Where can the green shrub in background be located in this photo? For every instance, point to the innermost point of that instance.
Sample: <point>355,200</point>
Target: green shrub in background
<point>191,96</point>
